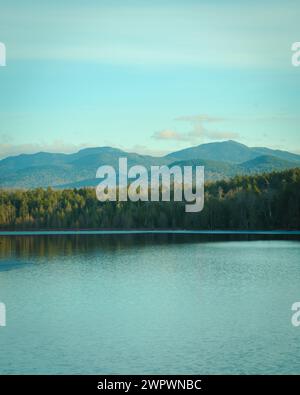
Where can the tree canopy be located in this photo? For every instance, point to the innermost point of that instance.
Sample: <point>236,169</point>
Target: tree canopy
<point>265,201</point>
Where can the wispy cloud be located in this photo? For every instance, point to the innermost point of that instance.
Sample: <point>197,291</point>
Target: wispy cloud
<point>199,118</point>
<point>58,146</point>
<point>168,134</point>
<point>188,33</point>
<point>198,131</point>
<point>143,150</point>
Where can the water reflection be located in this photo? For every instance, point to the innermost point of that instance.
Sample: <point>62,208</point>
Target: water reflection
<point>57,245</point>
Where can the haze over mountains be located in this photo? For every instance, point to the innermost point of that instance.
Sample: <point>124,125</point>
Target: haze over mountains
<point>221,160</point>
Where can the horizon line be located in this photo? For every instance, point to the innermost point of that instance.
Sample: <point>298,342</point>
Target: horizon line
<point>151,231</point>
<point>137,153</point>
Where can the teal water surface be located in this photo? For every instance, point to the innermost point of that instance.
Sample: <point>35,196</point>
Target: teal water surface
<point>145,304</point>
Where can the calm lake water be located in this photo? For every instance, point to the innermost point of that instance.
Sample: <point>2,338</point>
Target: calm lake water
<point>143,304</point>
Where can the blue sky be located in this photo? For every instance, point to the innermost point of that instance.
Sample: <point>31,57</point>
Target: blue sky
<point>148,76</point>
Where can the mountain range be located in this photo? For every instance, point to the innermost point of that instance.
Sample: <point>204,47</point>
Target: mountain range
<point>221,160</point>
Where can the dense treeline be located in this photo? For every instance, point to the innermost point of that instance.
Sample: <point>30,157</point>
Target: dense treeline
<point>265,201</point>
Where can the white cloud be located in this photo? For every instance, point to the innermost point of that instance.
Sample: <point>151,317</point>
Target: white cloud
<point>198,131</point>
<point>58,146</point>
<point>144,150</point>
<point>200,118</point>
<point>201,34</point>
<point>168,134</point>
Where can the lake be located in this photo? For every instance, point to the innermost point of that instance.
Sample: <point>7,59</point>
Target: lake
<point>149,304</point>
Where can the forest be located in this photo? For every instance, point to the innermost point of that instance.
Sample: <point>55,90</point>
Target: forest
<point>269,201</point>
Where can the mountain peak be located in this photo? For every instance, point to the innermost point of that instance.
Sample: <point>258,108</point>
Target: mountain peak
<point>226,151</point>
<point>233,142</point>
<point>221,159</point>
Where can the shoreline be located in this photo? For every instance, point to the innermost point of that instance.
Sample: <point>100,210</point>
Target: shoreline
<point>144,232</point>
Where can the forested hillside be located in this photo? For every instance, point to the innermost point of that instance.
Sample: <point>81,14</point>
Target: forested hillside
<point>222,160</point>
<point>265,201</point>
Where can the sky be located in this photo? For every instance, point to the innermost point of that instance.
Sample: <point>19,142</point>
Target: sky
<point>148,76</point>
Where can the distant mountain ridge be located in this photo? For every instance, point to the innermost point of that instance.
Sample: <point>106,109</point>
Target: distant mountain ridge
<point>221,160</point>
<point>230,151</point>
